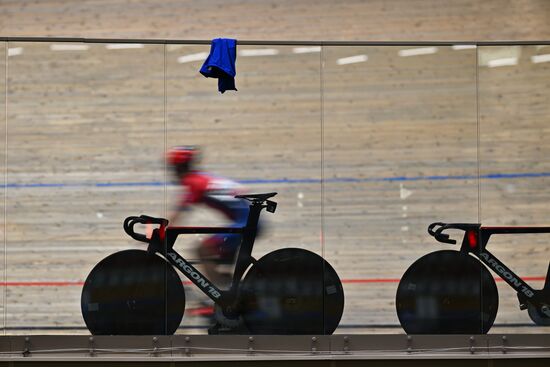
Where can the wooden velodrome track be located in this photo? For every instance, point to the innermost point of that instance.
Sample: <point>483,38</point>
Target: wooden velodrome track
<point>364,155</point>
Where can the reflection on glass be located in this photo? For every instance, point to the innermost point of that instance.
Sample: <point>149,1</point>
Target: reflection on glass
<point>400,152</point>
<point>86,129</point>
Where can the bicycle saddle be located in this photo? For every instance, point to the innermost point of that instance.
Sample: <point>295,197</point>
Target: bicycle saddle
<point>257,197</point>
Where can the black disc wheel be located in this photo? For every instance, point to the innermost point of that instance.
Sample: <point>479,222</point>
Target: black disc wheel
<point>447,292</point>
<point>292,291</point>
<point>133,292</point>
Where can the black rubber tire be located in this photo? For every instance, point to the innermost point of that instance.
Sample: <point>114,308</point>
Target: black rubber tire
<point>292,291</point>
<point>133,292</point>
<point>447,292</point>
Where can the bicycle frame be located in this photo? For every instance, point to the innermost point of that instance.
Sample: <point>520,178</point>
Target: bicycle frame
<point>224,298</point>
<point>163,239</point>
<point>475,241</point>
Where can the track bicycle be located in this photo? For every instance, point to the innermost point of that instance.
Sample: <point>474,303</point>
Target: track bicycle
<point>139,292</point>
<point>453,292</point>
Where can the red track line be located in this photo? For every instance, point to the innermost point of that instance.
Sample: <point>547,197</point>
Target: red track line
<point>40,284</point>
<point>345,281</point>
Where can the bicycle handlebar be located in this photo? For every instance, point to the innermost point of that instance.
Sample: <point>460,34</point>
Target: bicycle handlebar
<point>432,226</point>
<point>443,237</point>
<point>130,222</point>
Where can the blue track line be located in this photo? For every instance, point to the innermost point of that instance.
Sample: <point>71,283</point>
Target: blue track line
<point>492,176</point>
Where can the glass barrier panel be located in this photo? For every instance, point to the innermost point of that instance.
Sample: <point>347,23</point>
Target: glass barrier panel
<point>85,136</point>
<point>514,104</point>
<point>365,147</point>
<point>265,137</point>
<point>3,88</point>
<point>400,152</point>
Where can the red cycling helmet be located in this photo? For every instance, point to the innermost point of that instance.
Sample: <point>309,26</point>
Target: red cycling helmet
<point>182,155</point>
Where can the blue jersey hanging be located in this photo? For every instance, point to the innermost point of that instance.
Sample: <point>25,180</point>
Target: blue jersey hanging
<point>221,63</point>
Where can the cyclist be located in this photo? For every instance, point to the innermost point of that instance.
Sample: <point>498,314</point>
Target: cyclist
<point>215,192</point>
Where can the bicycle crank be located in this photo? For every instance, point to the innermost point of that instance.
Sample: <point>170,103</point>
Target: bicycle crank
<point>539,315</point>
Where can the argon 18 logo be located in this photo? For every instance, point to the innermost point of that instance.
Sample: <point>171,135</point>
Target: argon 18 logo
<point>518,284</point>
<point>194,275</point>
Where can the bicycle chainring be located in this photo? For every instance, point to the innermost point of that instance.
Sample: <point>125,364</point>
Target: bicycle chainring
<point>539,315</point>
<point>224,321</point>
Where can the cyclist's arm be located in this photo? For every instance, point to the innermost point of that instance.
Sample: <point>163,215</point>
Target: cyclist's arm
<point>175,214</point>
<point>195,187</point>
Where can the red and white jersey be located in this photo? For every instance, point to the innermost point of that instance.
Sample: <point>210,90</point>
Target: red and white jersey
<point>216,192</point>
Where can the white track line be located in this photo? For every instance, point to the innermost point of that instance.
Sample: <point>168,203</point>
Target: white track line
<point>69,47</point>
<point>193,57</point>
<point>306,50</point>
<point>507,61</point>
<point>417,51</point>
<point>123,46</point>
<point>15,51</point>
<point>463,47</point>
<point>352,59</point>
<point>259,52</point>
<point>537,59</point>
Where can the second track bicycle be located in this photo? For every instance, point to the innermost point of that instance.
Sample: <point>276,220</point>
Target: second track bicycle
<point>453,292</point>
<point>138,292</point>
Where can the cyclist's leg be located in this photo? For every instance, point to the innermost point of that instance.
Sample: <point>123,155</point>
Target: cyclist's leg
<point>216,250</point>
